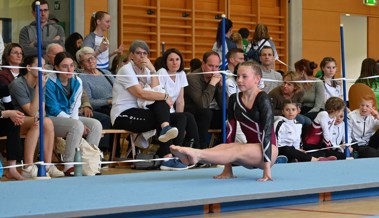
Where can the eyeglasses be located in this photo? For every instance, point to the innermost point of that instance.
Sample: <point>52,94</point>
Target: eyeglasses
<point>16,53</point>
<point>43,10</point>
<point>88,60</point>
<point>139,53</point>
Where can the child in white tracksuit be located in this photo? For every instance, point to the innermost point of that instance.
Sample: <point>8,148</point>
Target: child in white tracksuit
<point>363,123</point>
<point>319,134</point>
<point>288,135</point>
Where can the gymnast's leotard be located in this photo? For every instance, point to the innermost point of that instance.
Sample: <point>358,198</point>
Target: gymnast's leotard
<point>256,123</point>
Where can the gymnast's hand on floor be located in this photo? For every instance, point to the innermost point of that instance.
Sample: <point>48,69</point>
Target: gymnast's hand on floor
<point>266,173</point>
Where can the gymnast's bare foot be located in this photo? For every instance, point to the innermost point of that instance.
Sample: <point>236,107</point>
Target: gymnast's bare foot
<point>188,156</point>
<point>12,173</point>
<point>227,173</point>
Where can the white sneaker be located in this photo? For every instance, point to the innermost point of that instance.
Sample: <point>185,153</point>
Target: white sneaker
<point>30,171</point>
<point>54,172</point>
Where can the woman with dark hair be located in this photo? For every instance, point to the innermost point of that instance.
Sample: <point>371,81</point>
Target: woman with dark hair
<point>133,85</point>
<point>217,46</point>
<point>172,79</point>
<point>73,44</point>
<point>314,92</point>
<point>328,71</point>
<point>96,39</point>
<point>63,99</point>
<point>12,56</point>
<point>370,68</point>
<point>25,94</point>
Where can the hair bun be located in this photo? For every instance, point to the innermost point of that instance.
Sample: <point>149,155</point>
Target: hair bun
<point>313,65</point>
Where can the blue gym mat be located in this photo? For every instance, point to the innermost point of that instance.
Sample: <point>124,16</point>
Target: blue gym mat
<point>185,192</point>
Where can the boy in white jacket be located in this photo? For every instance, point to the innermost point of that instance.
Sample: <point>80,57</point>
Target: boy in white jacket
<point>363,123</point>
<point>288,135</point>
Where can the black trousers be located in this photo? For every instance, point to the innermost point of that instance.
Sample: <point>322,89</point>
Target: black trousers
<point>206,119</point>
<point>292,153</point>
<point>142,120</point>
<point>371,150</point>
<point>13,144</point>
<point>324,153</point>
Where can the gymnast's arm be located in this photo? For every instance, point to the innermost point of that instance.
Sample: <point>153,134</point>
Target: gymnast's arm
<point>231,123</point>
<point>266,121</point>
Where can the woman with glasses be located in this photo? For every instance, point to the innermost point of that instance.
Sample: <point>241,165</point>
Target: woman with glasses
<point>63,99</point>
<point>96,82</point>
<point>98,85</point>
<point>12,57</point>
<point>133,84</point>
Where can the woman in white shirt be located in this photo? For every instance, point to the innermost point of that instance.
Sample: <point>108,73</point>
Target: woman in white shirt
<point>172,79</point>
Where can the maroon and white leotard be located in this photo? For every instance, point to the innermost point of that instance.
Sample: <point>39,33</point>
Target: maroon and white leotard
<point>257,123</point>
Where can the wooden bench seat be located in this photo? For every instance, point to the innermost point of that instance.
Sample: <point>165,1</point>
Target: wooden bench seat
<point>117,136</point>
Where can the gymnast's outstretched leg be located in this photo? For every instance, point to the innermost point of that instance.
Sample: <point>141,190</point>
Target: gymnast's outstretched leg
<point>247,155</point>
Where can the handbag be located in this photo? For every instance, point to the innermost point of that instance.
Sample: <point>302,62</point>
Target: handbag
<point>91,156</point>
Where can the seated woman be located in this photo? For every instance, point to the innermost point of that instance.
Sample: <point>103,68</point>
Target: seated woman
<point>173,79</point>
<point>252,108</point>
<point>63,99</point>
<point>25,94</point>
<point>314,92</point>
<point>12,56</point>
<point>10,121</point>
<point>130,85</point>
<point>328,68</point>
<point>96,83</point>
<point>288,91</point>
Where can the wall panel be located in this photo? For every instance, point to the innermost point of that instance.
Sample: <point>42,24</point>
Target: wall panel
<point>101,5</point>
<point>191,25</point>
<point>321,22</point>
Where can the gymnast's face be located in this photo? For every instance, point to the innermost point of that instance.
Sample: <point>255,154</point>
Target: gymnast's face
<point>247,78</point>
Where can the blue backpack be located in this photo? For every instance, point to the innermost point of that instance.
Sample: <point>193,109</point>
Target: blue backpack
<point>253,54</point>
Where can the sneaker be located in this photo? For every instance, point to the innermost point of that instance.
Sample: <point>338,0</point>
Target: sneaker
<point>167,133</point>
<point>31,172</point>
<point>281,159</point>
<point>69,172</point>
<point>173,164</point>
<point>327,158</point>
<point>54,172</point>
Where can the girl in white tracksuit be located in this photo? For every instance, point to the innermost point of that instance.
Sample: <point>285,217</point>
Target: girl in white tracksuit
<point>363,123</point>
<point>288,135</point>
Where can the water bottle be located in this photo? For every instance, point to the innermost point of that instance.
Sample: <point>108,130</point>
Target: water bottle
<point>78,168</point>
